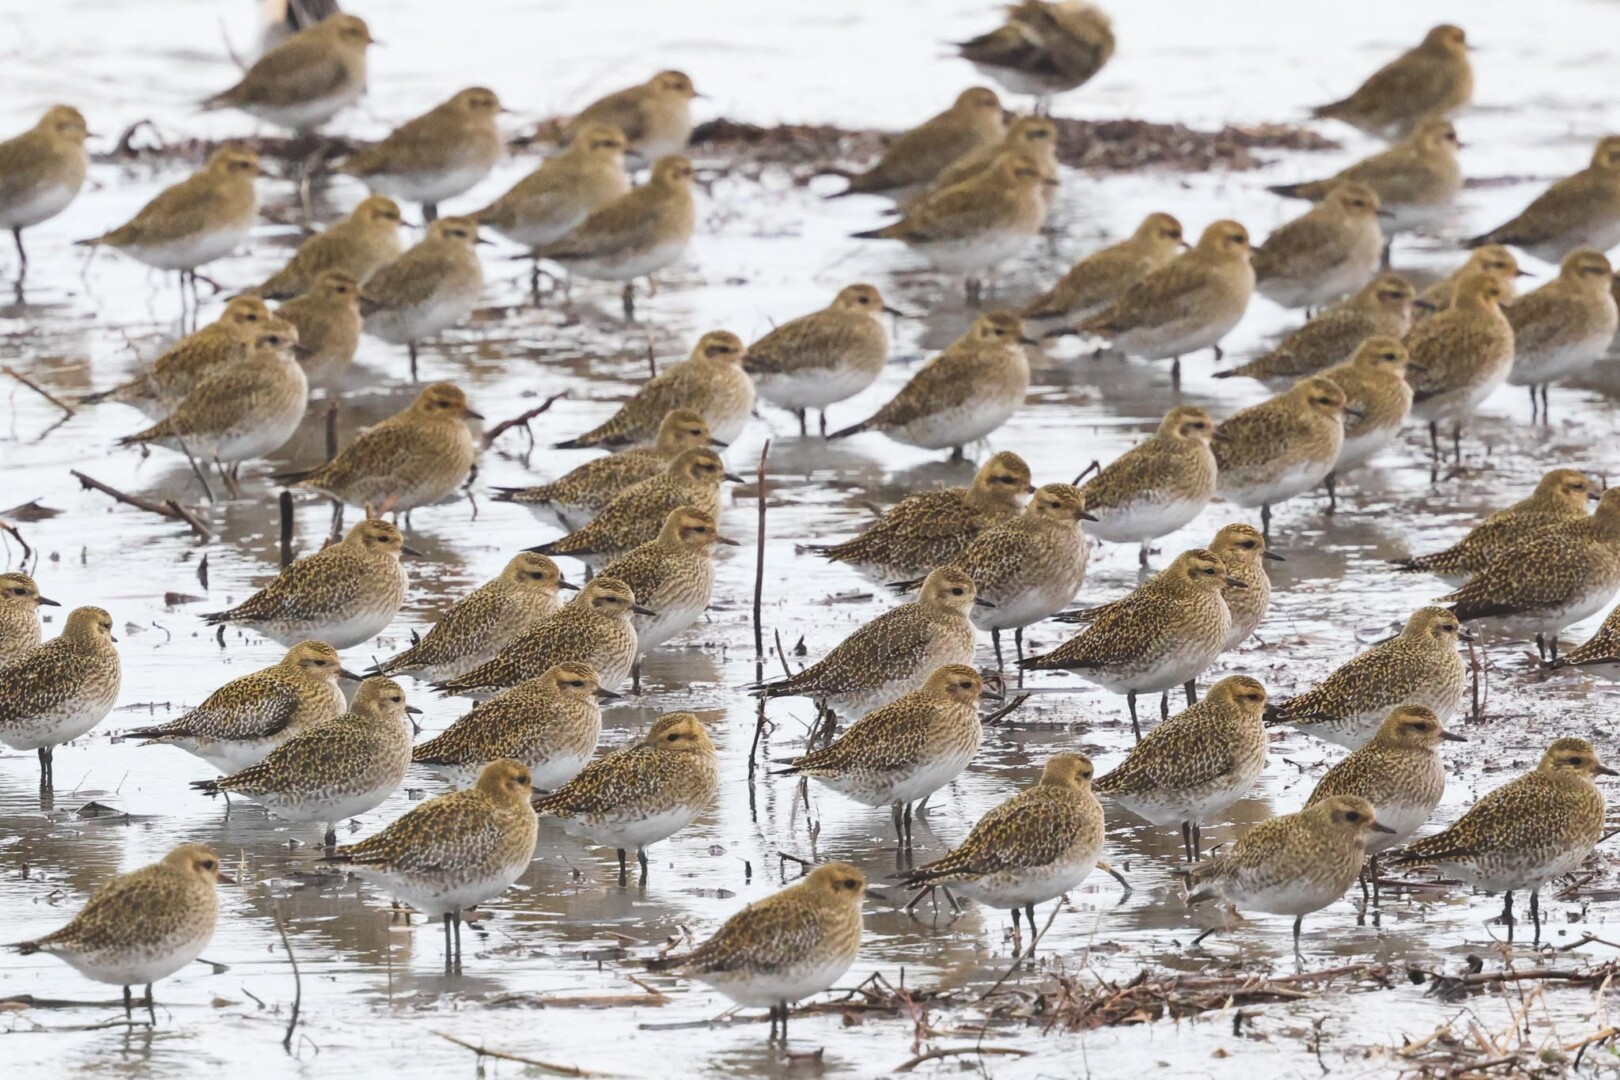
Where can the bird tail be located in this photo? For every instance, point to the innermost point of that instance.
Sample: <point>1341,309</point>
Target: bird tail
<point>853,429</point>
<point>215,618</point>
<point>207,787</point>
<point>901,588</point>
<point>25,948</point>
<point>886,232</point>
<point>293,476</point>
<point>522,495</point>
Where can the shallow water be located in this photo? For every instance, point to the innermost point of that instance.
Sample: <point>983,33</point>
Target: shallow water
<point>374,990</point>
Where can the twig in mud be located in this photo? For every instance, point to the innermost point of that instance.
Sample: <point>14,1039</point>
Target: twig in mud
<point>501,1055</point>
<point>285,503</point>
<point>298,980</point>
<point>996,717</point>
<point>16,534</point>
<point>331,429</point>
<point>40,390</point>
<point>960,1051</point>
<point>128,500</point>
<point>521,420</point>
<point>203,531</point>
<point>1022,956</point>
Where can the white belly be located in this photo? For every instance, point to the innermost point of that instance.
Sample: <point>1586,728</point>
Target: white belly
<point>979,253</point>
<point>628,266</point>
<point>308,114</point>
<point>815,389</point>
<point>428,186</point>
<point>399,326</point>
<point>1144,520</point>
<point>42,205</point>
<point>192,251</point>
<point>1276,488</point>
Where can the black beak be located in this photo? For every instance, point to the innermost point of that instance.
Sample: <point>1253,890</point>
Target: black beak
<point>1592,496</point>
<point>1359,414</point>
<point>569,585</point>
<point>1025,339</point>
<point>1385,215</point>
<point>412,710</point>
<point>728,541</point>
<point>1062,331</point>
<point>981,602</point>
<point>1425,305</point>
<point>716,442</point>
<point>1234,583</point>
<point>1029,489</point>
<point>224,878</point>
<point>896,312</point>
<point>1417,369</point>
<point>604,694</point>
<point>1465,634</point>
<point>1273,556</point>
<point>1087,516</point>
<point>481,240</point>
<point>345,673</point>
<point>734,478</point>
<point>45,601</point>
<point>1376,827</point>
<point>302,352</point>
<point>639,610</point>
<point>408,550</point>
<point>1523,273</point>
<point>1604,770</point>
<point>471,414</point>
<point>1452,736</point>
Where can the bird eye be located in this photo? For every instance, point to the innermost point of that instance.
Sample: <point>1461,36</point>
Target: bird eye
<point>1352,816</point>
<point>956,592</point>
<point>672,737</point>
<point>208,864</point>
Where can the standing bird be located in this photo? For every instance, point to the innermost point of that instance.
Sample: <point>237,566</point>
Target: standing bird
<point>1163,635</point>
<point>335,770</point>
<point>1549,580</point>
<point>329,324</point>
<point>1334,248</point>
<point>41,172</point>
<point>1197,763</point>
<point>1599,653</point>
<point>1493,260</point>
<point>455,851</point>
<point>915,158</point>
<point>713,382</point>
<point>1043,49</point>
<point>634,236</point>
<point>443,153</point>
<point>20,601</point>
<point>482,623</point>
<point>1434,77</point>
<point>204,217</point>
<point>673,574</point>
<point>1564,327</point>
<point>1380,308</point>
<point>901,753</point>
<point>1035,135</point>
<point>594,628</point>
<point>963,394</point>
<point>822,358</point>
<point>158,389</point>
<point>59,690</point>
<point>1415,180</point>
<point>585,491</point>
<point>1028,567</point>
<point>417,457</point>
<point>430,288</point>
<point>1561,495</point>
<point>359,245</point>
<point>1459,357</point>
<point>1525,833</point>
<point>307,79</point>
<point>567,188</point>
<point>637,513</point>
<point>345,594</point>
<point>893,654</point>
<point>238,411</point>
<point>143,926</point>
<point>1293,864</point>
<point>1034,847</point>
<point>642,793</point>
<point>1186,305</point>
<point>1282,447</point>
<point>973,226</point>
<point>1418,666</point>
<point>655,117</point>
<point>788,946</point>
<point>1103,277</point>
<point>1399,772</point>
<point>1582,210</point>
<point>550,723</point>
<point>1378,400</point>
<point>1156,486</point>
<point>240,723</point>
<point>930,528</point>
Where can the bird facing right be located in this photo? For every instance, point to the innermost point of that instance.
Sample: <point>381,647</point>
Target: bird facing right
<point>1582,210</point>
<point>20,601</point>
<point>41,172</point>
<point>1334,248</point>
<point>59,690</point>
<point>824,357</point>
<point>1564,327</point>
<point>1282,447</point>
<point>1156,486</point>
<point>1433,77</point>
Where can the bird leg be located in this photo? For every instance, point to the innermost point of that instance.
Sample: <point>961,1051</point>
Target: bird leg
<point>641,860</point>
<point>1507,914</point>
<point>1197,839</point>
<point>22,256</point>
<point>1220,357</point>
<point>628,299</point>
<point>995,639</point>
<point>1018,937</point>
<point>1298,921</point>
<point>1535,403</point>
<point>1332,484</point>
<point>1034,934</point>
<point>1192,691</point>
<point>430,212</point>
<point>823,415</point>
<point>1136,728</point>
<point>47,778</point>
<point>635,677</point>
<point>1541,647</point>
<point>1186,840</point>
<point>1535,915</point>
<point>804,421</point>
<point>1434,443</point>
<point>330,839</point>
<point>129,1008</point>
<point>1142,554</point>
<point>410,347</point>
<point>782,1011</point>
<point>1265,521</point>
<point>624,872</point>
<point>899,826</point>
<point>958,455</point>
<point>1018,646</point>
<point>1164,705</point>
<point>1175,374</point>
<point>1456,443</point>
<point>1546,417</point>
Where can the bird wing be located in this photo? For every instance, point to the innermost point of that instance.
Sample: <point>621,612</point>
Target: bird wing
<point>34,684</point>
<point>334,582</point>
<point>297,71</point>
<point>626,775</point>
<point>127,912</point>
<point>252,707</point>
<point>441,834</point>
<point>945,382</point>
<point>760,938</point>
<point>622,223</point>
<point>1545,217</point>
<point>1028,830</point>
<point>1163,296</point>
<point>309,753</point>
<point>899,639</point>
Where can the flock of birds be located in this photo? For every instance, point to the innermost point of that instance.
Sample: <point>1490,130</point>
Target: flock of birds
<point>1000,555</point>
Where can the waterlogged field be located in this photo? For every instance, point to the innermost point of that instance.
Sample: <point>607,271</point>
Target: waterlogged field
<point>551,972</point>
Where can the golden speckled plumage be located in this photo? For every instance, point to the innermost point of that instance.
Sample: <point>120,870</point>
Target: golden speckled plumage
<point>895,652</point>
<point>1375,387</point>
<point>482,623</point>
<point>930,528</point>
<point>59,690</point>
<point>1582,210</point>
<point>550,723</point>
<point>825,356</point>
<point>594,628</point>
<point>436,156</point>
<point>343,594</point>
<point>1433,77</point>
<point>417,457</point>
<point>637,234</point>
<point>1416,176</point>
<point>637,513</point>
<point>918,156</point>
<point>1568,324</point>
<point>336,769</point>
<point>672,574</point>
<point>456,850</point>
<point>1462,354</point>
<point>144,925</point>
<point>1399,771</point>
<point>1330,250</point>
<point>656,116</point>
<point>328,321</point>
<point>567,188</point>
<point>1035,135</point>
<point>1044,48</point>
<point>711,382</point>
<point>1602,649</point>
<point>358,245</point>
<point>792,944</point>
<point>431,287</point>
<point>962,395</point>
<point>1158,485</point>
<point>1561,495</point>
<point>182,365</point>
<point>1383,306</point>
<point>585,491</point>
<point>1418,666</point>
<point>1102,277</point>
<point>20,601</point>
<point>1493,260</point>
<point>202,218</point>
<point>1242,549</point>
<point>1283,446</point>
<point>1528,831</point>
<point>307,79</point>
<point>240,723</point>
